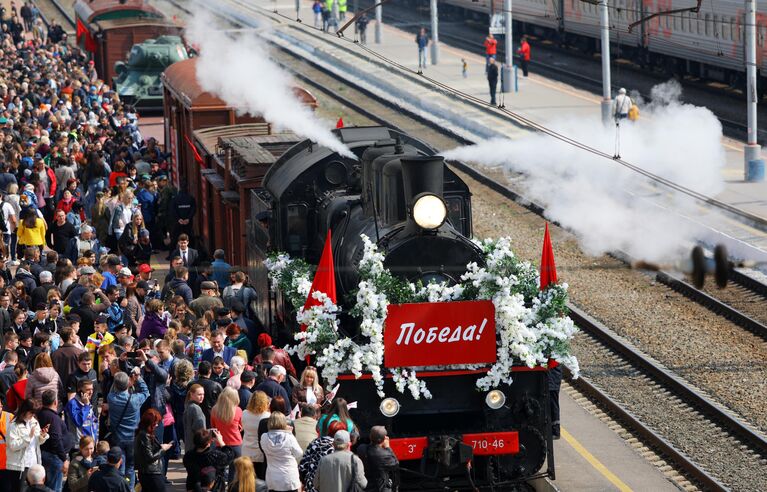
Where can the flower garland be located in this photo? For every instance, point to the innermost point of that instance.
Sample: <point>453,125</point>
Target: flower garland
<point>531,325</point>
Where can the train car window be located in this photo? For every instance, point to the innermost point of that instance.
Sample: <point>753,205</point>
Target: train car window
<point>296,228</point>
<point>676,23</point>
<point>708,24</point>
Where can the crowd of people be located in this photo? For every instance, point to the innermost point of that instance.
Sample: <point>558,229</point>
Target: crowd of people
<point>107,373</point>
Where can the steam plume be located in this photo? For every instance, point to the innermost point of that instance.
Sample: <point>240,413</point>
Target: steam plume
<point>607,206</point>
<point>238,70</point>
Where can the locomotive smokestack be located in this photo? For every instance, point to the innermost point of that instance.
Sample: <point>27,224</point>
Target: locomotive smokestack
<point>422,175</point>
<point>422,180</point>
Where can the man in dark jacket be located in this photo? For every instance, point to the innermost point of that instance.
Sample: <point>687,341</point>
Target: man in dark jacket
<point>7,375</point>
<point>54,451</point>
<point>179,285</point>
<point>381,464</point>
<point>272,385</point>
<point>492,79</point>
<point>182,210</point>
<point>108,476</point>
<point>40,294</point>
<point>65,358</point>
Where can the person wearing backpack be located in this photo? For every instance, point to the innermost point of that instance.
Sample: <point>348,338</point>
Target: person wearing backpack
<point>241,292</point>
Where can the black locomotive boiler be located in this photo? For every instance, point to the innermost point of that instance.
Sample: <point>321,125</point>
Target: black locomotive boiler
<point>418,211</point>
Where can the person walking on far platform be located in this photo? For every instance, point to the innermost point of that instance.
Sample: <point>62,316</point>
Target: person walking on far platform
<point>524,54</point>
<point>362,25</point>
<point>422,40</point>
<point>492,79</point>
<point>317,9</point>
<point>491,48</point>
<point>621,106</point>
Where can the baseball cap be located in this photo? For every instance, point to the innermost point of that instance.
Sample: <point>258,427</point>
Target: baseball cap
<point>143,233</point>
<point>87,270</point>
<point>125,272</point>
<point>101,319</point>
<point>114,455</point>
<point>142,284</point>
<point>341,438</point>
<point>145,268</point>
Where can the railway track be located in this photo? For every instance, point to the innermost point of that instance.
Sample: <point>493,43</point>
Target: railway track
<point>688,409</point>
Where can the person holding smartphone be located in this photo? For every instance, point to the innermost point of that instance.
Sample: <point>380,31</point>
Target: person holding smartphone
<point>24,434</point>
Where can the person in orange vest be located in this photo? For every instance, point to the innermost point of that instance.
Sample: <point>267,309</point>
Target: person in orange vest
<point>524,54</point>
<point>6,476</point>
<point>491,48</point>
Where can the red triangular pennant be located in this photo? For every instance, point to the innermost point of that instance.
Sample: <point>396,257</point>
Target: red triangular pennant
<point>548,268</point>
<point>82,32</point>
<point>324,279</point>
<point>340,122</point>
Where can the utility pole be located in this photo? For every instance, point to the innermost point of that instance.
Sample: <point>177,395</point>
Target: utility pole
<point>508,44</point>
<point>434,33</point>
<point>606,84</point>
<point>379,21</point>
<point>752,150</point>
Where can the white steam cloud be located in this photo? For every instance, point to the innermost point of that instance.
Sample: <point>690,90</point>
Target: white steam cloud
<point>238,69</point>
<point>608,206</point>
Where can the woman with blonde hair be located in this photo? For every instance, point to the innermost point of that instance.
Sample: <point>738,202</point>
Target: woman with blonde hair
<point>309,389</point>
<point>244,476</point>
<point>258,409</point>
<point>226,416</point>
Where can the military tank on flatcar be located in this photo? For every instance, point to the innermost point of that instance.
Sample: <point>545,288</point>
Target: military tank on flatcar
<point>138,78</point>
<point>418,211</point>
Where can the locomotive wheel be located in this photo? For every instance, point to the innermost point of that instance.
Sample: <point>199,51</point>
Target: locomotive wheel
<point>698,267</point>
<point>530,459</point>
<point>722,266</point>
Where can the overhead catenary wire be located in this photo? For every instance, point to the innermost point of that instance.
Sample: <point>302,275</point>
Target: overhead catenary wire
<point>754,219</point>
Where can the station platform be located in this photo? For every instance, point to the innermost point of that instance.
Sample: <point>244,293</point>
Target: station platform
<point>541,100</point>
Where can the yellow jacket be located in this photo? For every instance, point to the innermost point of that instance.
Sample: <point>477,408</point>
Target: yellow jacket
<point>34,236</point>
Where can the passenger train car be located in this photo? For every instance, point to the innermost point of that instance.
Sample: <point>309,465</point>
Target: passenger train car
<point>707,44</point>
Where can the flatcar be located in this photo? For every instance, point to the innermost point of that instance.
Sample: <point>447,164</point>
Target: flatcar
<point>460,438</point>
<point>708,44</point>
<point>108,29</point>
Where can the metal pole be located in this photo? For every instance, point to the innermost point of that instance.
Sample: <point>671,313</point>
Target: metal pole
<point>606,84</point>
<point>298,9</point>
<point>508,44</point>
<point>752,150</point>
<point>379,24</point>
<point>434,33</point>
<point>356,9</point>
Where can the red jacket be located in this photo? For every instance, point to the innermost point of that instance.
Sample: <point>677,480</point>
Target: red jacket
<point>524,51</point>
<point>491,45</point>
<point>51,182</point>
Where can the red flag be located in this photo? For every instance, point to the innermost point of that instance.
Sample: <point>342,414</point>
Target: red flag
<point>340,122</point>
<point>82,32</point>
<point>197,155</point>
<point>324,279</point>
<point>548,268</point>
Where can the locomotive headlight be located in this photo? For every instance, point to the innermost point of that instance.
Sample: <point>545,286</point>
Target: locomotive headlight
<point>495,399</point>
<point>429,211</point>
<point>389,407</point>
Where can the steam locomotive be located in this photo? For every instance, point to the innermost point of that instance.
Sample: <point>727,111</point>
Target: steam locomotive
<point>418,211</point>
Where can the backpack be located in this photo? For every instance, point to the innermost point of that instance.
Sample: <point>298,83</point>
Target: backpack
<point>230,294</point>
